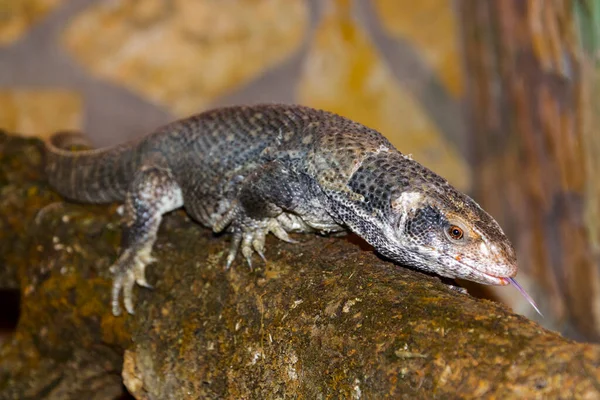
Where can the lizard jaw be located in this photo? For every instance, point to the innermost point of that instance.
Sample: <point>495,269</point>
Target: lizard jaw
<point>495,280</point>
<point>472,273</point>
<point>503,281</point>
<point>488,279</point>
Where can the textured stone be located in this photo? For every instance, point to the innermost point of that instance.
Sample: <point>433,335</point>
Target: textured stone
<point>183,54</point>
<point>17,16</point>
<point>40,112</point>
<point>430,25</point>
<point>344,73</point>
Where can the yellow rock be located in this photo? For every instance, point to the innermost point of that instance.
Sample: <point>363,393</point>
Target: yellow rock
<point>344,73</point>
<point>17,16</point>
<point>40,112</point>
<point>183,54</point>
<point>430,25</point>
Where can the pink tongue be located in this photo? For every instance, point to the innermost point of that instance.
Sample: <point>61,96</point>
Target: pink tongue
<point>526,295</point>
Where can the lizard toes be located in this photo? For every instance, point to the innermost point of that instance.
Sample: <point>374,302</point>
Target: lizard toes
<point>147,259</point>
<point>246,246</point>
<point>128,282</point>
<point>143,282</point>
<point>233,249</point>
<point>128,270</point>
<point>258,243</point>
<point>281,233</point>
<point>123,281</point>
<point>139,272</point>
<point>291,223</point>
<point>116,291</point>
<point>251,236</point>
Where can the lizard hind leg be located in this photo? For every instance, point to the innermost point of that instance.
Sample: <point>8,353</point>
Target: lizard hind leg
<point>152,193</point>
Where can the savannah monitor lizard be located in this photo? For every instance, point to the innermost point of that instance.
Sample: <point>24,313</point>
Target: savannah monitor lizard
<point>274,168</point>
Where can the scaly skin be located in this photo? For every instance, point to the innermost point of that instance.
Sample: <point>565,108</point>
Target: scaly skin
<point>251,170</point>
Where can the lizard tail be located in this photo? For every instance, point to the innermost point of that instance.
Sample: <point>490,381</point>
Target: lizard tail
<point>91,175</point>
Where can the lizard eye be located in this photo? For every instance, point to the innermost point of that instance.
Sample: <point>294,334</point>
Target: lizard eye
<point>455,232</point>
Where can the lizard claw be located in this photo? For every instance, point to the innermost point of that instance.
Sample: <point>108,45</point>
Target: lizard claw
<point>233,249</point>
<point>258,243</point>
<point>249,261</point>
<point>247,250</point>
<point>128,293</point>
<point>143,282</point>
<point>261,255</point>
<point>281,233</point>
<point>139,270</point>
<point>129,269</point>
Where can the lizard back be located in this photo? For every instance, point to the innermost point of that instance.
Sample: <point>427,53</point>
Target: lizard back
<point>212,152</point>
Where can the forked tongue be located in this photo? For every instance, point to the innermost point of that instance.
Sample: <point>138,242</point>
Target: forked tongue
<point>526,295</point>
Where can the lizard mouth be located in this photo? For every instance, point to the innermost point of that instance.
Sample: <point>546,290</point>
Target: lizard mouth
<point>488,278</point>
<point>498,280</point>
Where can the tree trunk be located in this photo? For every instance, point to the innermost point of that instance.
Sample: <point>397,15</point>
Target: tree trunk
<point>536,146</point>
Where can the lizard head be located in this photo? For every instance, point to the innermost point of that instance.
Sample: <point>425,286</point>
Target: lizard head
<point>414,216</point>
<point>447,232</point>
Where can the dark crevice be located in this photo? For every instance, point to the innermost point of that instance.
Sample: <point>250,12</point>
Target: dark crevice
<point>9,311</point>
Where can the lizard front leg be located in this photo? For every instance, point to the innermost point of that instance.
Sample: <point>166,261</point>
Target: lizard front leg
<point>264,198</point>
<point>152,193</point>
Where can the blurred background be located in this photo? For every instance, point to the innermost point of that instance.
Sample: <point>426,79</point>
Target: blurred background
<point>498,96</point>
